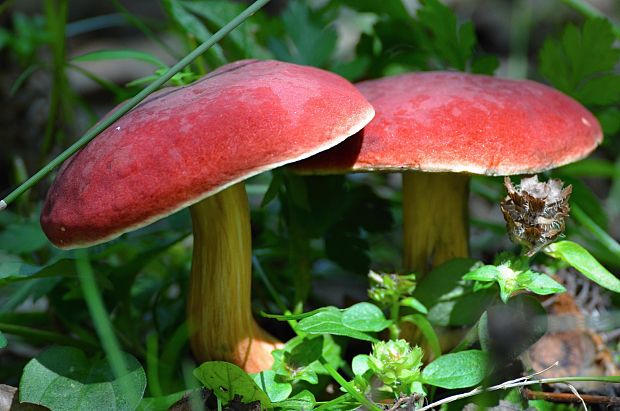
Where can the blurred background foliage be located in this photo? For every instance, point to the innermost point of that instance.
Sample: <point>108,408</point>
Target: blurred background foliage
<point>65,64</point>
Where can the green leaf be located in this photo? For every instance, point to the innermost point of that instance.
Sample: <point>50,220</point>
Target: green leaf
<point>330,322</point>
<point>581,63</point>
<point>303,401</point>
<point>305,353</point>
<point>484,273</point>
<point>360,364</point>
<point>22,238</point>
<point>227,380</point>
<point>425,326</point>
<point>458,370</point>
<point>3,341</point>
<point>276,390</point>
<point>414,303</point>
<point>120,55</point>
<point>452,43</point>
<point>62,378</point>
<point>365,317</point>
<point>540,284</point>
<point>12,271</point>
<point>580,259</point>
<point>310,40</point>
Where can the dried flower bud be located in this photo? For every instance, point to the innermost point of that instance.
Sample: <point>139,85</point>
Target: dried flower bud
<point>535,212</point>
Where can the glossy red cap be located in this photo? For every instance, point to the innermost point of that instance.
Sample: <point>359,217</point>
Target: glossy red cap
<point>186,143</point>
<point>457,122</point>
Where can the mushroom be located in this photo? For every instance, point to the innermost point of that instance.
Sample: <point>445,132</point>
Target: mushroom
<point>194,146</point>
<point>439,127</point>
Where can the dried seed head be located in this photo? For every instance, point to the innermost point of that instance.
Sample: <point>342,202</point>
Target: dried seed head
<point>535,212</point>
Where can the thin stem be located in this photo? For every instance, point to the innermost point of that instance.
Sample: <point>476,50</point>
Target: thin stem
<point>42,335</point>
<point>131,103</point>
<point>590,11</point>
<point>101,319</point>
<point>394,314</point>
<point>600,234</point>
<point>521,382</point>
<point>57,20</point>
<point>348,387</point>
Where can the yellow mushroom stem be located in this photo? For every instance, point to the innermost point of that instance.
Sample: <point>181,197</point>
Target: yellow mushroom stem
<point>435,219</point>
<point>219,306</point>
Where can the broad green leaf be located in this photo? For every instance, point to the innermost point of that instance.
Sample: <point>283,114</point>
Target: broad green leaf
<point>414,303</point>
<point>303,401</point>
<point>330,322</point>
<point>120,55</point>
<point>22,238</point>
<point>305,353</point>
<point>268,382</point>
<point>11,271</point>
<point>540,284</point>
<point>365,317</point>
<point>458,370</point>
<point>484,273</point>
<point>3,341</point>
<point>580,259</point>
<point>62,378</point>
<point>227,380</point>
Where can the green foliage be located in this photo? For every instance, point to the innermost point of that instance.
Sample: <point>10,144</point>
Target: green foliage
<point>3,341</point>
<point>458,370</point>
<point>513,275</point>
<point>397,365</point>
<point>62,378</point>
<point>582,63</point>
<point>451,42</point>
<point>580,259</point>
<point>229,381</point>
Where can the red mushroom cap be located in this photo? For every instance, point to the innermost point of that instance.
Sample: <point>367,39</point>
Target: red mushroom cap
<point>457,122</point>
<point>186,143</point>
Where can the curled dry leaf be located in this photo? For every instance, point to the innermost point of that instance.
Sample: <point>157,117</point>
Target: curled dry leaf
<point>535,212</point>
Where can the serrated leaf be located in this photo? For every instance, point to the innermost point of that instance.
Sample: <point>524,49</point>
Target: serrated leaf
<point>580,259</point>
<point>581,63</point>
<point>227,381</point>
<point>365,317</point>
<point>268,382</point>
<point>330,322</point>
<point>458,370</point>
<point>62,378</point>
<point>451,42</point>
<point>310,41</point>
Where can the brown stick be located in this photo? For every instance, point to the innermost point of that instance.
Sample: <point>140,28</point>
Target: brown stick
<point>569,398</point>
